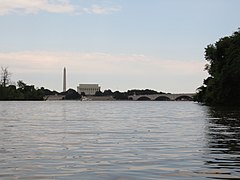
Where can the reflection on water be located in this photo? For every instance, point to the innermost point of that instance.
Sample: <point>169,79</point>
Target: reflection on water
<point>223,142</point>
<point>118,140</point>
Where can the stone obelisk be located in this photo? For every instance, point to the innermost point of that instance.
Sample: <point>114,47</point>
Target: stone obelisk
<point>64,80</point>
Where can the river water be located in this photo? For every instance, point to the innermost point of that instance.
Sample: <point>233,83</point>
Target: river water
<point>121,140</point>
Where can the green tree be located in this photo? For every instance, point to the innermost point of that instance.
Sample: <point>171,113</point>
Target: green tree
<point>120,95</point>
<point>223,85</point>
<point>21,84</point>
<point>71,94</point>
<point>29,92</point>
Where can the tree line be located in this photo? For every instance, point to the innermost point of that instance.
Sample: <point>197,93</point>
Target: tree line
<point>11,92</point>
<point>124,95</point>
<point>222,87</point>
<point>23,91</point>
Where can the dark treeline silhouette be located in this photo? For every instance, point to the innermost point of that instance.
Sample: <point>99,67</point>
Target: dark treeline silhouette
<point>71,94</point>
<point>223,85</point>
<point>23,91</point>
<point>124,95</point>
<point>30,93</point>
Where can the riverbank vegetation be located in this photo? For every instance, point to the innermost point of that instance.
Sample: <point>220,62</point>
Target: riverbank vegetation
<point>222,87</point>
<point>8,91</point>
<point>23,91</point>
<point>124,95</point>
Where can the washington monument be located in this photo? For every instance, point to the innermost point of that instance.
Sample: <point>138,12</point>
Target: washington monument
<point>64,80</point>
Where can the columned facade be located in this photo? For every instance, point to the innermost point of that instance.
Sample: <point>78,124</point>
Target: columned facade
<point>88,89</point>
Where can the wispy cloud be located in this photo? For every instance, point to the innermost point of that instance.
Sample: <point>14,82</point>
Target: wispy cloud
<point>102,63</point>
<point>51,6</point>
<point>97,9</point>
<point>35,6</point>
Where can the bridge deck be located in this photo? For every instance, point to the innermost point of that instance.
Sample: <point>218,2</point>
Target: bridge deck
<point>164,97</point>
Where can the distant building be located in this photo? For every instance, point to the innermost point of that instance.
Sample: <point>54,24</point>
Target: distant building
<point>88,89</point>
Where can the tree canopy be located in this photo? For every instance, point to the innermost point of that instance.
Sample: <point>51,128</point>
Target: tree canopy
<point>124,95</point>
<point>23,92</point>
<point>223,85</point>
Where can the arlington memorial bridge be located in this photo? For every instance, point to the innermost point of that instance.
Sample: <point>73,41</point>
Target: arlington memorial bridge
<point>163,97</point>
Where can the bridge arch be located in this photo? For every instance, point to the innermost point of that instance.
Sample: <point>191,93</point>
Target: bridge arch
<point>144,98</point>
<point>162,98</point>
<point>184,98</point>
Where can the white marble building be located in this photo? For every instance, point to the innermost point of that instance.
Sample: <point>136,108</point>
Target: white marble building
<point>88,89</point>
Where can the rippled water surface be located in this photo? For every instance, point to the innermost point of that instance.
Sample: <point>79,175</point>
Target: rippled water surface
<point>118,140</point>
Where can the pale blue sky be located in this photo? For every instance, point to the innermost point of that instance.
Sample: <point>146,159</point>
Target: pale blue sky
<point>120,44</point>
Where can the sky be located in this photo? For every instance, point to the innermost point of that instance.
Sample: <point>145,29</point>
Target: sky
<point>118,44</point>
